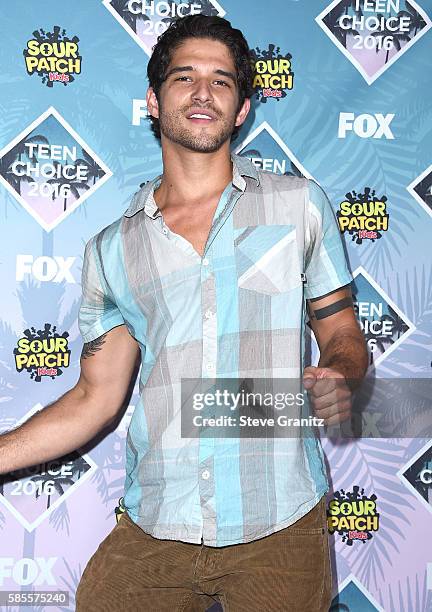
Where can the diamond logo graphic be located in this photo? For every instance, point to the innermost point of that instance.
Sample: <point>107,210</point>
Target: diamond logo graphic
<point>353,596</point>
<point>50,170</point>
<point>373,34</point>
<point>31,494</point>
<point>416,475</point>
<point>266,149</point>
<point>383,324</point>
<point>421,190</point>
<point>145,20</point>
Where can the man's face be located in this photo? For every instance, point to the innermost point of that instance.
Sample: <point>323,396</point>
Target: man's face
<point>198,100</point>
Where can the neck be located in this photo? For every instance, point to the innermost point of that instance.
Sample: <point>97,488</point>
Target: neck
<point>190,177</point>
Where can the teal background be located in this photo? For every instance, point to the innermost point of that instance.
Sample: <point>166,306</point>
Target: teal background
<point>98,105</point>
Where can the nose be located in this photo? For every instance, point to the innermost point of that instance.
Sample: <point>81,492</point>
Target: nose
<point>202,91</point>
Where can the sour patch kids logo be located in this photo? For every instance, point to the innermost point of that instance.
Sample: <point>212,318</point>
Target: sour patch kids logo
<point>353,515</point>
<point>42,352</point>
<point>53,56</point>
<point>272,73</point>
<point>363,215</point>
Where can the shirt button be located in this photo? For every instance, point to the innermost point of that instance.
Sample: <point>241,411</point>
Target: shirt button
<point>210,366</point>
<point>205,261</point>
<point>165,231</point>
<point>205,474</point>
<point>208,314</point>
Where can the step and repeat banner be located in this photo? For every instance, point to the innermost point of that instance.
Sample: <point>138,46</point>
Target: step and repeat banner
<point>342,95</point>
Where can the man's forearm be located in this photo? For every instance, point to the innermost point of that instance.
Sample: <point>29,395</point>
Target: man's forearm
<point>346,352</point>
<point>58,429</point>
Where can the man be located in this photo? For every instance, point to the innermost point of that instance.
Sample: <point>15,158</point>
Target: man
<point>205,275</point>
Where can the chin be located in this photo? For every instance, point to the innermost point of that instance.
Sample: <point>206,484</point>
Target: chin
<point>199,145</point>
<point>209,148</point>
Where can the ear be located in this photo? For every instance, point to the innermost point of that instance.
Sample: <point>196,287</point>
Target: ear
<point>152,103</point>
<point>243,112</point>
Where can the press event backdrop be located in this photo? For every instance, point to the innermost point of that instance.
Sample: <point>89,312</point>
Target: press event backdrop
<point>343,95</point>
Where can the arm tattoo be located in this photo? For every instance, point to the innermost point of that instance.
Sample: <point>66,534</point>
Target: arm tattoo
<point>90,348</point>
<point>331,309</point>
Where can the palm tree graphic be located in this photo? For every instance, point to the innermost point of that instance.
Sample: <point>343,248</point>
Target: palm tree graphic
<point>37,139</point>
<point>352,4</point>
<point>294,171</point>
<point>94,171</point>
<point>74,186</point>
<point>424,190</point>
<point>332,21</point>
<point>15,155</point>
<point>251,153</point>
<point>395,37</point>
<point>399,327</point>
<point>6,162</point>
<point>380,340</point>
<point>79,466</point>
<point>416,20</point>
<point>57,480</point>
<point>121,7</point>
<point>76,465</point>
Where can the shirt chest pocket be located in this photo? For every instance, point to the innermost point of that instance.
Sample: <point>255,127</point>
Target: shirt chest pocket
<point>267,259</point>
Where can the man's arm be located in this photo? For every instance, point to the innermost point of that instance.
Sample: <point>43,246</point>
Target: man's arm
<point>343,355</point>
<point>340,340</point>
<point>107,365</point>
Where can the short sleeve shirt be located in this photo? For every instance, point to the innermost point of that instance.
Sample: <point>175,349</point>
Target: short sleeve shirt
<point>237,311</point>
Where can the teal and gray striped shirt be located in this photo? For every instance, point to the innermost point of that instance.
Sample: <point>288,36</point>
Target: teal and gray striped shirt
<point>238,311</point>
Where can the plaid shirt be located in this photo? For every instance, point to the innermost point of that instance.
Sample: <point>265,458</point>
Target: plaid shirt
<point>238,311</point>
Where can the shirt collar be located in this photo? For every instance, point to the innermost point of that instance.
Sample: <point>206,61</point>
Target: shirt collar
<point>143,199</point>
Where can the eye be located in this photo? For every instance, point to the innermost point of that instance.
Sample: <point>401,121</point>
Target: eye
<point>182,77</point>
<point>222,82</point>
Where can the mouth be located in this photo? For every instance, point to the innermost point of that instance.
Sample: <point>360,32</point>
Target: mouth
<point>201,118</point>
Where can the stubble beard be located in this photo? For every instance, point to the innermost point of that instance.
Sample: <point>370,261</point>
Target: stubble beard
<point>172,127</point>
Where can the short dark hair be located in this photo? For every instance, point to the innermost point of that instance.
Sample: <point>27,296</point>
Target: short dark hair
<point>200,26</point>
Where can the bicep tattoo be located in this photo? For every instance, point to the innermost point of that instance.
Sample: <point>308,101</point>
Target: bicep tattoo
<point>90,348</point>
<point>327,311</point>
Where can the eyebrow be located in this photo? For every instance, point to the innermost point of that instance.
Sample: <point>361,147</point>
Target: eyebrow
<point>224,73</point>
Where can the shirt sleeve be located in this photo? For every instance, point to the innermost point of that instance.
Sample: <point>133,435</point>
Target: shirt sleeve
<point>98,312</point>
<point>326,266</point>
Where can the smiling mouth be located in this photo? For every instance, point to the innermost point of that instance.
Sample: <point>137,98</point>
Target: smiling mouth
<point>200,118</point>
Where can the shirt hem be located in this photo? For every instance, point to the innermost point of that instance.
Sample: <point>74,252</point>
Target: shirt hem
<point>101,328</point>
<point>315,291</point>
<point>196,539</point>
